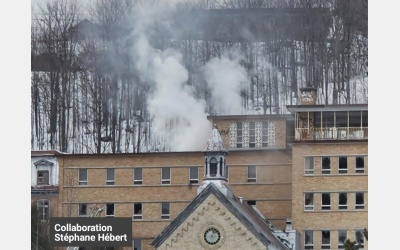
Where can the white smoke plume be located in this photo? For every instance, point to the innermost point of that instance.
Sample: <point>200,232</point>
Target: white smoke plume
<point>178,117</point>
<point>226,78</point>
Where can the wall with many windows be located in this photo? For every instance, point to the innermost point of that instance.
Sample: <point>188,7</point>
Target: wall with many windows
<point>153,188</point>
<point>330,192</point>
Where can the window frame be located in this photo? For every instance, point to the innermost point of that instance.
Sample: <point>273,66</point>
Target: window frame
<point>360,170</point>
<point>82,182</point>
<point>341,243</point>
<point>251,179</point>
<point>343,170</point>
<point>43,207</point>
<point>309,171</point>
<point>308,246</point>
<point>264,131</point>
<point>325,245</point>
<point>110,182</point>
<point>194,180</point>
<point>80,205</point>
<point>326,171</point>
<point>326,206</point>
<point>343,206</point>
<point>360,243</point>
<point>113,208</point>
<point>252,135</point>
<point>239,134</point>
<point>307,206</point>
<point>43,182</point>
<point>359,205</point>
<point>166,181</point>
<point>166,205</point>
<point>137,216</point>
<point>137,181</point>
<point>140,243</point>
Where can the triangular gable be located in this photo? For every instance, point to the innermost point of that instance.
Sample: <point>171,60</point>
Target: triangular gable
<point>43,163</point>
<point>256,227</point>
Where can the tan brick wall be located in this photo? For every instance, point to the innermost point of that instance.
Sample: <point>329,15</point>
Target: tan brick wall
<point>350,183</point>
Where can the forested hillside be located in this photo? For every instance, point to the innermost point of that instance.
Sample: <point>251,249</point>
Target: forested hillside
<point>139,76</point>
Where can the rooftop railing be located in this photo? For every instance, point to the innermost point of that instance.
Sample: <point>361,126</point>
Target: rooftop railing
<point>333,133</point>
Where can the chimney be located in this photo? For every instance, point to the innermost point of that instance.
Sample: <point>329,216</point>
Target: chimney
<point>288,225</point>
<point>308,96</point>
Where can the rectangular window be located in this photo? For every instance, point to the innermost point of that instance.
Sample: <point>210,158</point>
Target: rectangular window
<point>251,174</point>
<point>342,236</point>
<point>359,238</point>
<point>137,244</point>
<point>42,177</point>
<point>110,176</point>
<point>110,210</point>
<point>239,135</point>
<point>308,201</point>
<point>360,165</point>
<point>326,201</point>
<point>43,209</point>
<point>326,240</point>
<point>342,165</point>
<point>252,134</point>
<point>137,211</point>
<point>342,200</point>
<point>137,176</point>
<point>308,239</point>
<point>326,165</point>
<point>83,176</point>
<point>165,210</point>
<point>193,175</point>
<point>251,202</point>
<point>265,134</point>
<point>165,175</point>
<point>359,200</point>
<point>227,173</point>
<point>308,165</point>
<point>83,209</point>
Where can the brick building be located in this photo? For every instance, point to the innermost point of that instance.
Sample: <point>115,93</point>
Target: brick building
<point>310,167</point>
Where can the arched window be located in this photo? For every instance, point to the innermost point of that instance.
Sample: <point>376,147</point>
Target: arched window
<point>221,163</point>
<point>213,167</point>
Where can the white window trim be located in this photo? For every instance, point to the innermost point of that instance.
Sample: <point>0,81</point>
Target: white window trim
<point>109,181</point>
<point>330,202</point>
<point>309,244</point>
<point>79,177</point>
<point>355,201</point>
<point>329,170</point>
<point>345,206</point>
<point>48,177</point>
<point>341,244</point>
<point>251,178</point>
<point>326,246</point>
<point>165,180</point>
<point>138,216</point>
<point>137,180</point>
<point>308,206</point>
<point>197,179</point>
<point>359,170</point>
<point>309,171</point>
<point>343,170</point>
<point>169,210</point>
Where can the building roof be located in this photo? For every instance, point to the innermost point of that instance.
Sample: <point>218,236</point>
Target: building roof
<point>245,213</point>
<point>313,108</point>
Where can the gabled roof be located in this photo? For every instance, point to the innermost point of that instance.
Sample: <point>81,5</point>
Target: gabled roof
<point>215,143</point>
<point>246,214</point>
<point>43,163</point>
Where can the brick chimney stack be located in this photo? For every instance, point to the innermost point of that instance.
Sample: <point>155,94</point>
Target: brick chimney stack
<point>308,96</point>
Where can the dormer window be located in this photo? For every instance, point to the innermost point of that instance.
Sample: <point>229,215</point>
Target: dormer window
<point>43,177</point>
<point>213,167</point>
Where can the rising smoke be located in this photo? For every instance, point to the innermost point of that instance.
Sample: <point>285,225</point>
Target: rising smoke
<point>179,119</point>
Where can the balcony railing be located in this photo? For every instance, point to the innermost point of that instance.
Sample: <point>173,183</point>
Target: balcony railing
<point>334,133</point>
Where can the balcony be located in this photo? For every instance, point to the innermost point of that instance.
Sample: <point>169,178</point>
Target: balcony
<point>333,133</point>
